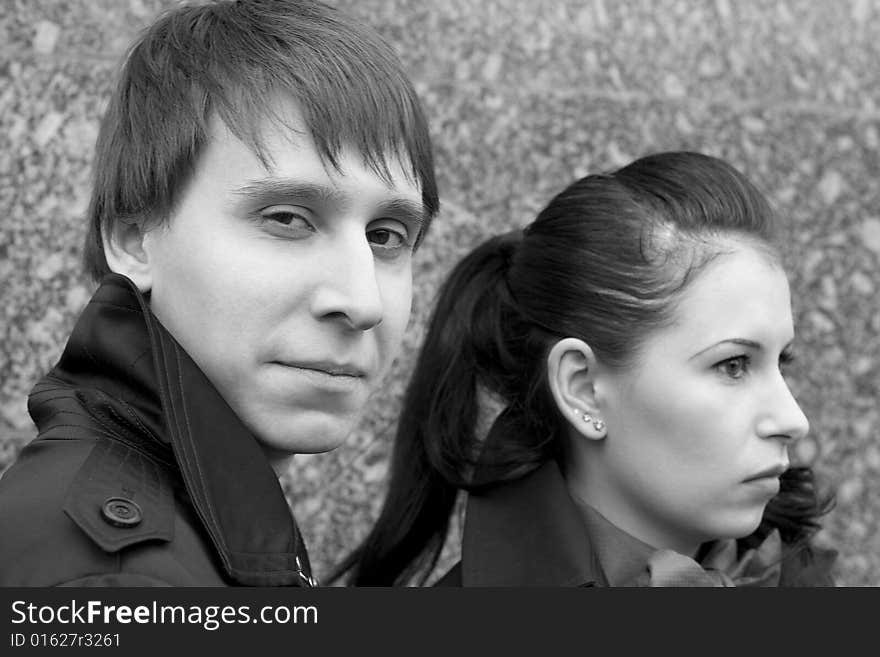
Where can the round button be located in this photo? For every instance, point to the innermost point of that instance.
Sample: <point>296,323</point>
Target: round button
<point>121,512</point>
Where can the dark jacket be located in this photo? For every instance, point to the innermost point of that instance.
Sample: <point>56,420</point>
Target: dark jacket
<point>141,474</point>
<point>529,532</point>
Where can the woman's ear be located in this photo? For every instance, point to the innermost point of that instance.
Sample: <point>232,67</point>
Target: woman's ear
<point>571,373</point>
<point>125,253</point>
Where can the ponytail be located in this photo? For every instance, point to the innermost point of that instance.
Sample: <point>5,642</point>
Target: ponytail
<point>467,347</point>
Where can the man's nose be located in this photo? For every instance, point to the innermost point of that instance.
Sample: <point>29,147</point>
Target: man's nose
<point>348,289</point>
<point>783,417</point>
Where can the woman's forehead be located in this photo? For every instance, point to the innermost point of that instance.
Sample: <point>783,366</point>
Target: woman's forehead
<point>741,293</point>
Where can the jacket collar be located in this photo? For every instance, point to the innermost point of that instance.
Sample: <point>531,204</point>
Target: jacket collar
<point>527,532</point>
<point>120,348</point>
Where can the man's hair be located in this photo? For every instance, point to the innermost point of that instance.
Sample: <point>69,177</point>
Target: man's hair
<point>240,61</point>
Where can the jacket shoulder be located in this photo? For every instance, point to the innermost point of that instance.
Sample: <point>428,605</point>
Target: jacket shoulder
<point>69,509</point>
<point>121,497</point>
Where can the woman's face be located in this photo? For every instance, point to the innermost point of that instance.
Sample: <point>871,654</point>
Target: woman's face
<point>699,429</point>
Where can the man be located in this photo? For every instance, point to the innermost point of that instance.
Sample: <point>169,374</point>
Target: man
<point>263,175</point>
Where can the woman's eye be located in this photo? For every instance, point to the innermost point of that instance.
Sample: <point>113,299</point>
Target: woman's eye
<point>734,368</point>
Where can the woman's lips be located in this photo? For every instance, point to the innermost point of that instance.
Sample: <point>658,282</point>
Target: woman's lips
<point>773,472</point>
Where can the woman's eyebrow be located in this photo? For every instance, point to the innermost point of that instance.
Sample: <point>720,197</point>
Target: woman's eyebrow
<point>743,342</point>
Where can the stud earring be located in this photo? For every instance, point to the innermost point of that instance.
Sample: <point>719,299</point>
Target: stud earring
<point>599,425</point>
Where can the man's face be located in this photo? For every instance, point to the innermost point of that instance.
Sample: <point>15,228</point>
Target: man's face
<point>291,286</point>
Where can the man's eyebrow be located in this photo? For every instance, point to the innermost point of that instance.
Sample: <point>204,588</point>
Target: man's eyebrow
<point>271,189</point>
<point>405,209</point>
<point>743,342</point>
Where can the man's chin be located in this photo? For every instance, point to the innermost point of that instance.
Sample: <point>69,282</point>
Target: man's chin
<point>304,438</point>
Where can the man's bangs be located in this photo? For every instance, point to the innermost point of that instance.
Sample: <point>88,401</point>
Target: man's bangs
<point>368,114</point>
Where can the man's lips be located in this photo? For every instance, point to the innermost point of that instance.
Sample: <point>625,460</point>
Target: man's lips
<point>330,368</point>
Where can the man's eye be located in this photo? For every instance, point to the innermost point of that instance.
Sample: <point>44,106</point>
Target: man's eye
<point>287,215</point>
<point>786,358</point>
<point>386,238</point>
<point>734,368</point>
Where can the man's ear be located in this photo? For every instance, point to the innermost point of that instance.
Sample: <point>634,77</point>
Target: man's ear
<point>571,373</point>
<point>125,253</point>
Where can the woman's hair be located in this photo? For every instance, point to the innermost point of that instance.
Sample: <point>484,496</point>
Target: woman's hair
<point>605,262</point>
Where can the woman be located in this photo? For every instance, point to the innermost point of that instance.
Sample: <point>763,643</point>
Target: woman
<point>635,333</point>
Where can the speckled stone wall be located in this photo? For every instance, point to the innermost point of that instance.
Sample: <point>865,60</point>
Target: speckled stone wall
<point>523,97</point>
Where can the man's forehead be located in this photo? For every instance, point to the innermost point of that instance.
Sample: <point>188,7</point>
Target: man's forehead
<point>260,131</point>
<point>282,129</point>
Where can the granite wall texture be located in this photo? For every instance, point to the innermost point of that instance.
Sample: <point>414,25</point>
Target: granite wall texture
<point>523,96</point>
